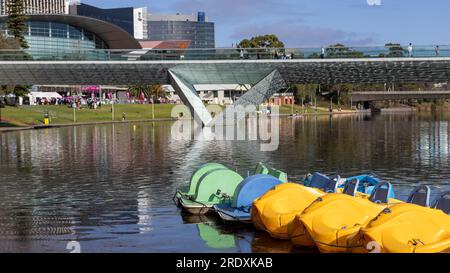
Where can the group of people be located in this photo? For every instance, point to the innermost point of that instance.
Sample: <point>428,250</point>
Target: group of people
<point>93,103</point>
<point>277,55</point>
<point>244,54</point>
<point>410,49</point>
<point>52,101</point>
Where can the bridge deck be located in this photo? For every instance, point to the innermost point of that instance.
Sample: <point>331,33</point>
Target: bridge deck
<point>324,71</point>
<point>398,95</point>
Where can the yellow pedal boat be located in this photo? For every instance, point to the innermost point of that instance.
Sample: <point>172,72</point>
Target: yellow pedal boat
<point>333,219</point>
<point>409,228</point>
<point>277,208</point>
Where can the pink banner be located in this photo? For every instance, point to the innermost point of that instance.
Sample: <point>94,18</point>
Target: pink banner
<point>92,89</point>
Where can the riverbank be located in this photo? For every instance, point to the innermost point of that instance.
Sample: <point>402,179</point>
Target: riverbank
<point>32,117</point>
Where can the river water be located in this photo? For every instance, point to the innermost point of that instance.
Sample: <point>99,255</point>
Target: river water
<point>110,187</point>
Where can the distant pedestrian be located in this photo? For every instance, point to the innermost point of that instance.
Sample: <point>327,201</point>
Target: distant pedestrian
<point>322,53</point>
<point>124,116</point>
<point>410,50</point>
<point>242,54</point>
<point>292,56</point>
<point>437,50</point>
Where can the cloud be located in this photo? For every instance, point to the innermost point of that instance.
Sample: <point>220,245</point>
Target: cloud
<point>298,35</point>
<point>374,2</point>
<point>238,11</point>
<point>239,19</point>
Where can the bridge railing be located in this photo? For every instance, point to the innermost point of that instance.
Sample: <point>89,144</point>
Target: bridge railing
<point>335,52</point>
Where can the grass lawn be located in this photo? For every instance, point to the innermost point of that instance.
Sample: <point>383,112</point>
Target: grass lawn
<point>34,115</point>
<point>61,114</point>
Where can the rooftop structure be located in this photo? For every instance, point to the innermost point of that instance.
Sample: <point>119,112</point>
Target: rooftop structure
<point>195,28</point>
<point>133,20</point>
<point>60,36</point>
<point>39,7</point>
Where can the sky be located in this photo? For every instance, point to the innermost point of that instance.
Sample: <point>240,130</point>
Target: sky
<point>314,23</point>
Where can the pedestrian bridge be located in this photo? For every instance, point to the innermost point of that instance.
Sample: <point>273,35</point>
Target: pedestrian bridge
<point>266,70</point>
<point>368,96</point>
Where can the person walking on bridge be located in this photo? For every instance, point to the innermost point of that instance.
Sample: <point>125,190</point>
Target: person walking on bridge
<point>322,53</point>
<point>410,50</point>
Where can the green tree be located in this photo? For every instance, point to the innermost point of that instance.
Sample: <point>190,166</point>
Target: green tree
<point>16,24</point>
<point>341,51</point>
<point>263,41</point>
<point>17,21</point>
<point>304,92</point>
<point>153,92</point>
<point>395,50</point>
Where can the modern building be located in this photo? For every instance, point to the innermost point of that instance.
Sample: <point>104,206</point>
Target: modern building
<point>60,36</point>
<point>132,20</point>
<point>194,28</point>
<point>151,27</point>
<point>165,45</point>
<point>39,7</point>
<point>282,99</point>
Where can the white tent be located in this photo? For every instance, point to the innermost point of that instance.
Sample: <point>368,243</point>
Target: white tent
<point>48,95</point>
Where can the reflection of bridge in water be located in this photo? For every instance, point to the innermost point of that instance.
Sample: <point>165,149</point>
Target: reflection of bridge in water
<point>221,66</point>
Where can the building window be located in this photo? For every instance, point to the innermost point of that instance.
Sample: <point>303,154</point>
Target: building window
<point>38,28</point>
<point>59,30</point>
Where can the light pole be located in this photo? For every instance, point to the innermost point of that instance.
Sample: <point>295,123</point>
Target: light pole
<point>1,105</point>
<point>112,107</point>
<point>153,108</point>
<point>315,102</point>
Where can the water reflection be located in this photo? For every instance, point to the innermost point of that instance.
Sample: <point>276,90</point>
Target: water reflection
<point>214,238</point>
<point>110,186</point>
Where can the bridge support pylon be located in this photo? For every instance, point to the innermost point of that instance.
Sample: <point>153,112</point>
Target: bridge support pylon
<point>258,94</point>
<point>263,90</point>
<point>189,96</point>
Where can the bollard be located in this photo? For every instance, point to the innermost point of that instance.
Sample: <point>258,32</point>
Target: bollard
<point>46,117</point>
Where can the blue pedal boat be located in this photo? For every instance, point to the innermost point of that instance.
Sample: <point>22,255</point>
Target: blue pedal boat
<point>250,189</point>
<point>367,182</point>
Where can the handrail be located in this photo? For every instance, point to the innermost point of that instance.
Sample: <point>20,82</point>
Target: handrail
<point>395,51</point>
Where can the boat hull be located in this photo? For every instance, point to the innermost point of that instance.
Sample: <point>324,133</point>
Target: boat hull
<point>194,208</point>
<point>232,216</point>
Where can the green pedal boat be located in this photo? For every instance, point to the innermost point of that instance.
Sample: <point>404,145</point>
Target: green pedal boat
<point>212,184</point>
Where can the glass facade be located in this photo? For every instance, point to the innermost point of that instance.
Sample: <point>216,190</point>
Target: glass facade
<point>54,40</point>
<point>201,34</point>
<point>132,20</point>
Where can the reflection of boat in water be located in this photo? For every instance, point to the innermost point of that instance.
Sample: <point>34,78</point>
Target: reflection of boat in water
<point>263,243</point>
<point>197,219</point>
<point>214,238</point>
<point>239,236</point>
